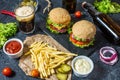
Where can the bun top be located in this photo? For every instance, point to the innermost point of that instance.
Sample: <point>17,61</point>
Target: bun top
<point>84,29</point>
<point>60,16</point>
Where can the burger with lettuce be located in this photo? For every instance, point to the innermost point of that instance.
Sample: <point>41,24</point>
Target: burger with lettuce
<point>83,33</point>
<point>58,20</point>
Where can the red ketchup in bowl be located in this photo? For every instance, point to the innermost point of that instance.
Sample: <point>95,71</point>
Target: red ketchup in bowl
<point>13,47</point>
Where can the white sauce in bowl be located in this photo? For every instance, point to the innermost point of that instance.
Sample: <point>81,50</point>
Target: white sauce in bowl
<point>82,66</point>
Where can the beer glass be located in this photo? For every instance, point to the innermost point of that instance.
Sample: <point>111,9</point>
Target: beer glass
<point>25,16</point>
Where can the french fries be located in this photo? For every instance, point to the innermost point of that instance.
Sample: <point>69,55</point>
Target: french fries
<point>46,58</point>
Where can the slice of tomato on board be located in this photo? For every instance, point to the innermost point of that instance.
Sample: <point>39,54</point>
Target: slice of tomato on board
<point>80,43</point>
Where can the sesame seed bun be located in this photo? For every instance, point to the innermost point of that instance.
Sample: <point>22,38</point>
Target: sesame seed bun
<point>60,16</point>
<point>84,29</point>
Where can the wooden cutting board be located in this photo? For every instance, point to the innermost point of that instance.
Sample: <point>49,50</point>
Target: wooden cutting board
<point>25,62</point>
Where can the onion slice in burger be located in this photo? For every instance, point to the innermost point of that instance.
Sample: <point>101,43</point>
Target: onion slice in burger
<point>108,55</point>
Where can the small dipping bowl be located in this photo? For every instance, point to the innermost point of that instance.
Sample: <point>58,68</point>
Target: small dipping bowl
<point>13,48</point>
<point>82,66</point>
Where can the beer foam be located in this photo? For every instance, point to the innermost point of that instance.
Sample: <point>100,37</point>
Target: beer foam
<point>24,11</point>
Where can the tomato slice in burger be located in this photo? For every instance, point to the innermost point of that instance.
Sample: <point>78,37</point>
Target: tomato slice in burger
<point>72,39</point>
<point>80,43</point>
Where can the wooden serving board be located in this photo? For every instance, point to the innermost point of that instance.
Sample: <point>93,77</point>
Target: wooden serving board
<point>25,62</point>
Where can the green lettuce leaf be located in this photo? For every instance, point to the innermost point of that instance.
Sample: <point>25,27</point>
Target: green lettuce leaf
<point>107,6</point>
<point>7,30</point>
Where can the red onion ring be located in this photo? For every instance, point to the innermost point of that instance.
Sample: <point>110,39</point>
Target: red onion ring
<point>108,60</point>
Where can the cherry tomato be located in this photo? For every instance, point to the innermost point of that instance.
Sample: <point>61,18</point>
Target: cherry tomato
<point>78,14</point>
<point>7,71</point>
<point>35,73</point>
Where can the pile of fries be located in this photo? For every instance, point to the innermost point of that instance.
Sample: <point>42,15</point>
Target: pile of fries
<point>46,58</point>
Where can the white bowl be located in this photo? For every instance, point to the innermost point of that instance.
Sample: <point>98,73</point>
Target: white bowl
<point>17,54</point>
<point>88,60</point>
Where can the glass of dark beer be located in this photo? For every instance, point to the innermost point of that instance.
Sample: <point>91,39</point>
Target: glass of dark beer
<point>25,16</point>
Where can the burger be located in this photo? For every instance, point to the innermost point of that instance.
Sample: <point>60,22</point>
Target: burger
<point>58,20</point>
<point>82,34</point>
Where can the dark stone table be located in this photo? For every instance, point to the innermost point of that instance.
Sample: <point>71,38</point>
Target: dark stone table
<point>101,71</point>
